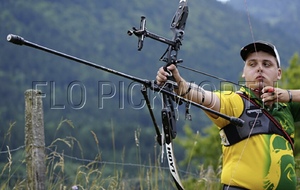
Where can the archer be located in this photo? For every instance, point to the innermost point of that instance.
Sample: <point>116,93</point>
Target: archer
<point>258,155</point>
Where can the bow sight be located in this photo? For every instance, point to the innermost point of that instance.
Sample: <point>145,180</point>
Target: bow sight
<point>177,26</point>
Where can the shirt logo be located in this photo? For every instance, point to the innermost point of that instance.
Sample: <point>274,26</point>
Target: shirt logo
<point>254,112</point>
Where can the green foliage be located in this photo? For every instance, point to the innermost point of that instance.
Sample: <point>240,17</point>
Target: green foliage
<point>202,155</point>
<point>270,12</point>
<point>201,149</point>
<point>290,77</point>
<point>64,171</point>
<point>291,74</point>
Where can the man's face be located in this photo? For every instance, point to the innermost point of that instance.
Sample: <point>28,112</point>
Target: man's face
<point>261,70</point>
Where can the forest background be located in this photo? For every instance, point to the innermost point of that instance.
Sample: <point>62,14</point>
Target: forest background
<point>113,109</point>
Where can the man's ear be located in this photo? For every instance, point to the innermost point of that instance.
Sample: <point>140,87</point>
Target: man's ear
<point>279,74</point>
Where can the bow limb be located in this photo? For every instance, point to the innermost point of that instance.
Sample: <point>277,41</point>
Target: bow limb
<point>168,113</point>
<point>172,166</point>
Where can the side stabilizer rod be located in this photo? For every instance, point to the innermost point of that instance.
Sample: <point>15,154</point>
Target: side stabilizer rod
<point>15,39</point>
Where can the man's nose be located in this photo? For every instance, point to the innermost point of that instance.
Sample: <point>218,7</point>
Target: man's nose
<point>259,68</point>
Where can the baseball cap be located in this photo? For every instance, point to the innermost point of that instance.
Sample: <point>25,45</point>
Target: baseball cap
<point>260,46</point>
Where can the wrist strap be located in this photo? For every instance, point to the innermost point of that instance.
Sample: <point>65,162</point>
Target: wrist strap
<point>188,90</point>
<point>290,95</point>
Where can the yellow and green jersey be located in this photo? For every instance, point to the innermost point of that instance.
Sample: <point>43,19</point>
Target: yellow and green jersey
<point>263,161</point>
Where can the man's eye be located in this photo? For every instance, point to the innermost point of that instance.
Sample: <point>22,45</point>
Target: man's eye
<point>267,63</point>
<point>252,64</point>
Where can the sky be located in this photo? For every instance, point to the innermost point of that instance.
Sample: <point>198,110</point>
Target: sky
<point>223,1</point>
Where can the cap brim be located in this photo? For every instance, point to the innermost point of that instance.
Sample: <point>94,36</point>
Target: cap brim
<point>260,46</point>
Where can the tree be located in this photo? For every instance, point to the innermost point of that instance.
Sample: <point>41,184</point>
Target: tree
<point>291,74</point>
<point>290,77</point>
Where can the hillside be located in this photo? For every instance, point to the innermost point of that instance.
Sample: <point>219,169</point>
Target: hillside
<point>282,15</point>
<point>97,31</point>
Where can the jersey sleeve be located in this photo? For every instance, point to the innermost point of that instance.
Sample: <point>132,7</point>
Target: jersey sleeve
<point>231,104</point>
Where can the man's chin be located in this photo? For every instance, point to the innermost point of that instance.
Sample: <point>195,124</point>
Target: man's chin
<point>256,85</point>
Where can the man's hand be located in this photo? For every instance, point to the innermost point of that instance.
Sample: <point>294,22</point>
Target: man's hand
<point>163,73</point>
<point>270,95</point>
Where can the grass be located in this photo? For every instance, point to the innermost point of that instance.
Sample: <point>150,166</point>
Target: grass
<point>65,172</point>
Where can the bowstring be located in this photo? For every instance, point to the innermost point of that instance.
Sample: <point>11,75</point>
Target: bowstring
<point>250,24</point>
<point>206,74</point>
<point>253,40</point>
<point>246,143</point>
<point>210,75</point>
<point>222,79</point>
<point>242,153</point>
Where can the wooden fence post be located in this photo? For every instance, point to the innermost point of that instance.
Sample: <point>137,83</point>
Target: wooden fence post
<point>34,140</point>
